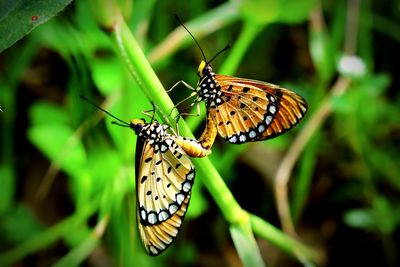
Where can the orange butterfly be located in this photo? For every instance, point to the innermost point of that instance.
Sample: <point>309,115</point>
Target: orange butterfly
<point>243,110</point>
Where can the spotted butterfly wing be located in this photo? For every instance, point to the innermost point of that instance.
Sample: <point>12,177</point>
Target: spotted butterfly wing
<point>252,110</point>
<point>157,238</point>
<point>243,110</point>
<point>164,178</point>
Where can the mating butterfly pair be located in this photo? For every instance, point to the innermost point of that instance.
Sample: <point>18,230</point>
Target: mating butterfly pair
<point>239,110</point>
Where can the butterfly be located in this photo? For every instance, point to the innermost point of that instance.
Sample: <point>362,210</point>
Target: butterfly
<point>243,110</point>
<point>164,179</point>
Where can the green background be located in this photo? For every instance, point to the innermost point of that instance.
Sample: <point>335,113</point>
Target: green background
<point>326,193</point>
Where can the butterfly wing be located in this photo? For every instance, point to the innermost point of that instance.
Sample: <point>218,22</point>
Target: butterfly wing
<point>254,110</point>
<point>157,238</point>
<point>164,180</point>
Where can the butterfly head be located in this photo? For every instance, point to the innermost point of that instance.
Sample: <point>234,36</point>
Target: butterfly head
<point>204,69</point>
<point>137,125</point>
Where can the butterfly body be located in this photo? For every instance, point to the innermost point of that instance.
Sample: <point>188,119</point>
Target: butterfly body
<point>245,110</point>
<point>208,90</point>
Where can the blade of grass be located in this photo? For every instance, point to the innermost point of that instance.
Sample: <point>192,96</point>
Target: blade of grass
<point>246,245</point>
<point>203,25</point>
<point>247,35</point>
<point>77,255</point>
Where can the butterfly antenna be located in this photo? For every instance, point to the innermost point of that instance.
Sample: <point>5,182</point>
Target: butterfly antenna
<point>105,111</point>
<point>183,25</point>
<point>119,124</point>
<point>223,50</point>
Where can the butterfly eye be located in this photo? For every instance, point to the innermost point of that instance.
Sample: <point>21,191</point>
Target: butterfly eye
<point>207,70</point>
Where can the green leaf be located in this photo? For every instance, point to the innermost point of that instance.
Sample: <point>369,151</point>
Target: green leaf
<point>267,11</point>
<point>246,245</point>
<point>43,113</point>
<point>107,74</point>
<point>384,215</point>
<point>79,253</point>
<point>7,175</point>
<point>19,225</point>
<point>60,144</point>
<point>322,53</point>
<point>18,18</point>
<point>360,218</point>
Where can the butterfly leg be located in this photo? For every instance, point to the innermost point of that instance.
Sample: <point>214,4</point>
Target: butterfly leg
<point>179,115</point>
<point>150,112</point>
<point>207,138</point>
<point>185,99</point>
<point>181,82</point>
<point>182,101</point>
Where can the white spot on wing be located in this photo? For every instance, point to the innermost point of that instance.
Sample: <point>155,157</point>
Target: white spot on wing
<point>152,218</point>
<point>272,109</point>
<point>143,214</point>
<point>163,216</point>
<point>153,250</point>
<point>252,134</point>
<point>172,209</point>
<point>268,119</point>
<point>242,138</point>
<point>180,198</point>
<point>190,176</point>
<point>261,128</point>
<point>233,139</point>
<point>186,187</point>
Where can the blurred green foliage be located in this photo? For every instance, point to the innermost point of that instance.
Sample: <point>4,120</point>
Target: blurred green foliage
<point>67,190</point>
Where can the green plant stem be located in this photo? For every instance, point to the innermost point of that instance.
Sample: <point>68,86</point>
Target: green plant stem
<point>77,255</point>
<point>142,71</point>
<point>247,35</point>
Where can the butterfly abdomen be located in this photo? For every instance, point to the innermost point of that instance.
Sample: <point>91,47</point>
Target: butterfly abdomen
<point>192,147</point>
